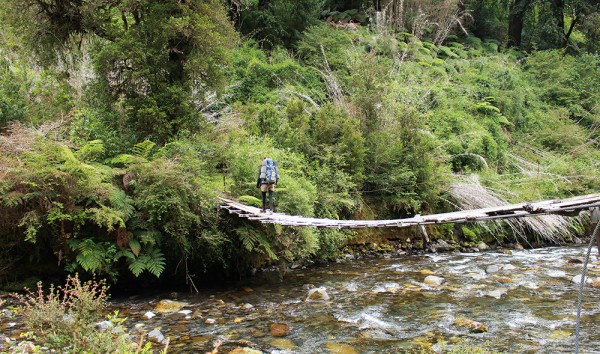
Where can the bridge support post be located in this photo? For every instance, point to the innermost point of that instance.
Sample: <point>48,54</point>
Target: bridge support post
<point>595,218</point>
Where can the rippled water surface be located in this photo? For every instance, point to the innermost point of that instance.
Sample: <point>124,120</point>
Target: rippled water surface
<point>527,300</point>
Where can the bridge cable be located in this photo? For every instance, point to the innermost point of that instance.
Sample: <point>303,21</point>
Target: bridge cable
<point>582,282</point>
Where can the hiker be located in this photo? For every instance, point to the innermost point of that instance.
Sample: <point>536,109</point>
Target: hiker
<point>268,176</point>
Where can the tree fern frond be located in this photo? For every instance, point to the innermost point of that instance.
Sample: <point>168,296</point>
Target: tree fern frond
<point>156,263</point>
<point>91,255</point>
<point>143,149</point>
<point>137,267</point>
<point>247,237</point>
<point>266,246</point>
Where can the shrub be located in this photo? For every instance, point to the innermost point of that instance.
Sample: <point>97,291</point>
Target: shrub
<point>65,318</point>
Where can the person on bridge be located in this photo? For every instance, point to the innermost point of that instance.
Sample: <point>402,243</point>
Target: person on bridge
<point>268,176</point>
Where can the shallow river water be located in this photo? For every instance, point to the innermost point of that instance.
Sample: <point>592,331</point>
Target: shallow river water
<point>527,300</point>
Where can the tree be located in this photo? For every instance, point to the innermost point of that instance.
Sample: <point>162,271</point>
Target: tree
<point>155,59</point>
<point>515,21</point>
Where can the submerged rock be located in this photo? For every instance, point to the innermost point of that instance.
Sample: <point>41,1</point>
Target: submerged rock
<point>245,351</point>
<point>169,306</point>
<point>279,329</point>
<point>282,343</point>
<point>472,326</point>
<point>340,348</point>
<point>317,294</point>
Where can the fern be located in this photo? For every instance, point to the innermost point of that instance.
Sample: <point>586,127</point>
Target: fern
<point>91,255</point>
<point>149,237</point>
<point>91,151</point>
<point>154,262</point>
<point>252,240</point>
<point>106,217</point>
<point>143,149</point>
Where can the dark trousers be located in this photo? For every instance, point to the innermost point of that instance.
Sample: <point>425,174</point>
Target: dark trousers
<point>264,200</point>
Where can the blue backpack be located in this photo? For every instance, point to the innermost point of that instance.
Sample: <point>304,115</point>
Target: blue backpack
<point>270,172</point>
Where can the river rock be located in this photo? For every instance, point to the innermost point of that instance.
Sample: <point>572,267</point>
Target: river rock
<point>595,282</point>
<point>169,306</point>
<point>482,246</point>
<point>433,280</point>
<point>440,246</point>
<point>104,325</point>
<point>156,336</point>
<point>340,348</point>
<point>473,326</point>
<point>149,314</point>
<point>503,280</point>
<point>498,293</point>
<point>577,279</point>
<point>279,329</point>
<point>317,294</point>
<point>493,268</point>
<point>283,344</point>
<point>245,351</point>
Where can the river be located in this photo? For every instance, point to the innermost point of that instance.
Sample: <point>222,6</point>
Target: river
<point>526,299</point>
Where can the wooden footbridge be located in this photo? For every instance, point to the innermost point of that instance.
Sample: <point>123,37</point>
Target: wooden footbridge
<point>570,206</point>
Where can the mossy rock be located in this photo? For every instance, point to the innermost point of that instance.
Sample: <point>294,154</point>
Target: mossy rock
<point>250,200</point>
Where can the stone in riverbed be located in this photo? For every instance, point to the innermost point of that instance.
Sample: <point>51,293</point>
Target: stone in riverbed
<point>245,351</point>
<point>283,344</point>
<point>317,294</point>
<point>433,280</point>
<point>279,329</point>
<point>340,348</point>
<point>156,336</point>
<point>169,306</point>
<point>472,326</point>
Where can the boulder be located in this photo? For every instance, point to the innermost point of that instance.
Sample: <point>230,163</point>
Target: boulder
<point>169,306</point>
<point>279,329</point>
<point>156,336</point>
<point>433,280</point>
<point>317,294</point>
<point>482,246</point>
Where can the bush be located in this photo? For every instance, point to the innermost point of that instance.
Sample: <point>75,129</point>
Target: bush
<point>66,319</point>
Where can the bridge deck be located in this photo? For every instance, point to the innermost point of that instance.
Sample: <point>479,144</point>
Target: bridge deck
<point>560,206</point>
<point>554,206</point>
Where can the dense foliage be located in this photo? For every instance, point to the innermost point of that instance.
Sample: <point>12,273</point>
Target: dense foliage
<point>129,120</point>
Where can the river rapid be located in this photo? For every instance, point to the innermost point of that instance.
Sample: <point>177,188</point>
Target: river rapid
<point>519,301</point>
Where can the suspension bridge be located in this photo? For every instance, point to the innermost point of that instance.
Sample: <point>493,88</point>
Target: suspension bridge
<point>569,207</point>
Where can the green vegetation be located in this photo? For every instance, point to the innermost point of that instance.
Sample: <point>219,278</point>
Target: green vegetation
<point>121,122</point>
<point>66,318</point>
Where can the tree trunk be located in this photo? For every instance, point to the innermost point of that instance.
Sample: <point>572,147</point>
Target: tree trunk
<point>515,22</point>
<point>558,7</point>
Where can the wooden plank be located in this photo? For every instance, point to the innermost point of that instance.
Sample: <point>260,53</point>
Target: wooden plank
<point>569,206</point>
